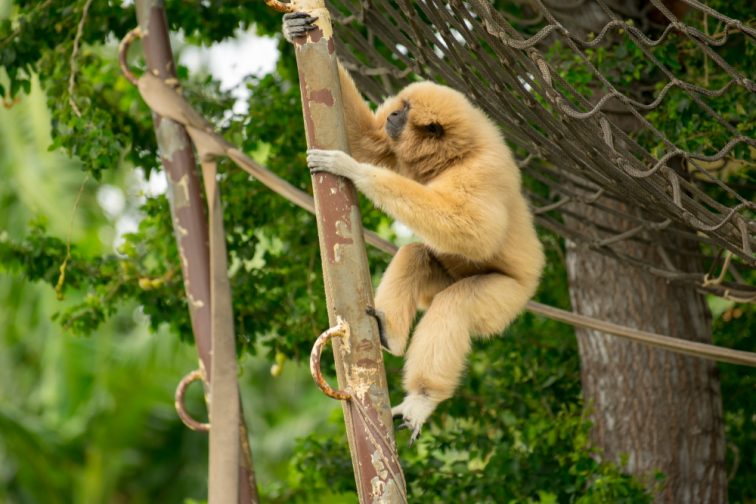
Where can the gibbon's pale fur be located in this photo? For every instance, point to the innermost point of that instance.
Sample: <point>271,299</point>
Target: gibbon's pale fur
<point>449,176</point>
<point>432,160</point>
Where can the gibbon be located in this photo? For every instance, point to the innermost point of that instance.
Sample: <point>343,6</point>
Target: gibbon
<point>432,160</point>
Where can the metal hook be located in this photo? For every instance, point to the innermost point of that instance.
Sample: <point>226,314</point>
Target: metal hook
<point>340,329</point>
<point>181,410</point>
<point>123,49</point>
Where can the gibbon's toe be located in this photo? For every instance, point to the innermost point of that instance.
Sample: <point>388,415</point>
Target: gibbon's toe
<point>380,320</point>
<point>415,410</point>
<point>389,341</point>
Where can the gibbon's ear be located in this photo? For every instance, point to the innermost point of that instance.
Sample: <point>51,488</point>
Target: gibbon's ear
<point>433,129</point>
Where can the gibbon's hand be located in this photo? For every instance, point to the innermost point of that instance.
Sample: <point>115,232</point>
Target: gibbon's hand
<point>414,410</point>
<point>334,161</point>
<point>297,24</point>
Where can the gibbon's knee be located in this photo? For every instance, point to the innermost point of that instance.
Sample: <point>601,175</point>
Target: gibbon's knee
<point>412,276</point>
<point>495,301</point>
<point>437,352</point>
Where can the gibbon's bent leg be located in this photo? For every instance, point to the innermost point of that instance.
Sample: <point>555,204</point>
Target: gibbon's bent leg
<point>481,305</point>
<point>412,278</point>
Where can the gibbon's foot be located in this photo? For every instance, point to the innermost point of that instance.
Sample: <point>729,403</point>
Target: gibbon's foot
<point>414,410</point>
<point>297,24</point>
<point>405,425</point>
<point>380,320</point>
<point>332,161</point>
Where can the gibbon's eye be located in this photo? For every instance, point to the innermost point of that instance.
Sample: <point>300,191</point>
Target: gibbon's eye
<point>434,129</point>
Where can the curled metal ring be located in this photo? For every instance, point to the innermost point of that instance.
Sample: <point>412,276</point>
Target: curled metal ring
<point>340,329</point>
<point>179,403</point>
<point>123,49</point>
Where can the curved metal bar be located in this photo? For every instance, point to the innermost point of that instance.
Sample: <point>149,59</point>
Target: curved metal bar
<point>340,329</point>
<point>123,50</point>
<point>181,410</point>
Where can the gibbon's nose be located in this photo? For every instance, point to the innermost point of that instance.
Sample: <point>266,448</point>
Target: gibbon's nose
<point>396,121</point>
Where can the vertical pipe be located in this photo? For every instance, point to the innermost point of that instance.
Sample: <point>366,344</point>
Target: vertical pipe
<point>359,361</point>
<point>187,212</point>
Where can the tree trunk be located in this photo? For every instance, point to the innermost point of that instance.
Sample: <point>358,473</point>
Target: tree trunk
<point>653,410</point>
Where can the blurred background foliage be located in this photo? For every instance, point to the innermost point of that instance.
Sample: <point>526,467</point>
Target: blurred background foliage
<point>87,381</point>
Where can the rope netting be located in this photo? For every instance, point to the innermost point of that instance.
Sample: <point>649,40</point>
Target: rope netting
<point>593,145</point>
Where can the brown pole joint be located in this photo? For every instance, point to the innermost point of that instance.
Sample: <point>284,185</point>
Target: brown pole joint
<point>340,329</point>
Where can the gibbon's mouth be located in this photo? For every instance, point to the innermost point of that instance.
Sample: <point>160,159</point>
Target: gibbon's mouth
<point>396,121</point>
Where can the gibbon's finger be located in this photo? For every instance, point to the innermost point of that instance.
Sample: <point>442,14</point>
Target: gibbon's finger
<point>295,15</point>
<point>305,22</point>
<point>301,23</point>
<point>414,436</point>
<point>320,159</point>
<point>403,425</point>
<point>318,165</point>
<point>300,31</point>
<point>297,24</point>
<point>296,31</point>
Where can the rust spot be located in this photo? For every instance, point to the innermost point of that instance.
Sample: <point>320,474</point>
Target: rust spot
<point>316,35</point>
<point>365,346</point>
<point>334,213</point>
<point>309,124</point>
<point>323,96</point>
<point>366,363</point>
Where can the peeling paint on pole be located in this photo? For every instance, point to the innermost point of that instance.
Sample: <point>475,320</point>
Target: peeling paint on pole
<point>359,360</point>
<point>187,211</point>
<point>169,139</point>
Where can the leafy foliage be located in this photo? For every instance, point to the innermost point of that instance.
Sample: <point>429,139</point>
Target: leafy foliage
<point>516,432</point>
<point>693,122</point>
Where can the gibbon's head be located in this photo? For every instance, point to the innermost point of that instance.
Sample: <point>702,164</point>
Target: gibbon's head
<point>432,126</point>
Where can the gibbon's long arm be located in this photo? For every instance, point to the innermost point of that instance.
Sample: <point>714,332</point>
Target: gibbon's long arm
<point>448,222</point>
<point>368,142</point>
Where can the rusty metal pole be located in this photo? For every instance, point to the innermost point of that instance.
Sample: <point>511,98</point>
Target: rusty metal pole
<point>188,214</point>
<point>348,289</point>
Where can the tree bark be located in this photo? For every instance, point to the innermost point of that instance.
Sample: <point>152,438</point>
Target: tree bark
<point>652,410</point>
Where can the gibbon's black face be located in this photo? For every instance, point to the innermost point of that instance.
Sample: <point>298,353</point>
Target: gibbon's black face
<point>429,127</point>
<point>397,120</point>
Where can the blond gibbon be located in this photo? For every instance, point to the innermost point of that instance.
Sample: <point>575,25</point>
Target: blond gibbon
<point>433,161</point>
